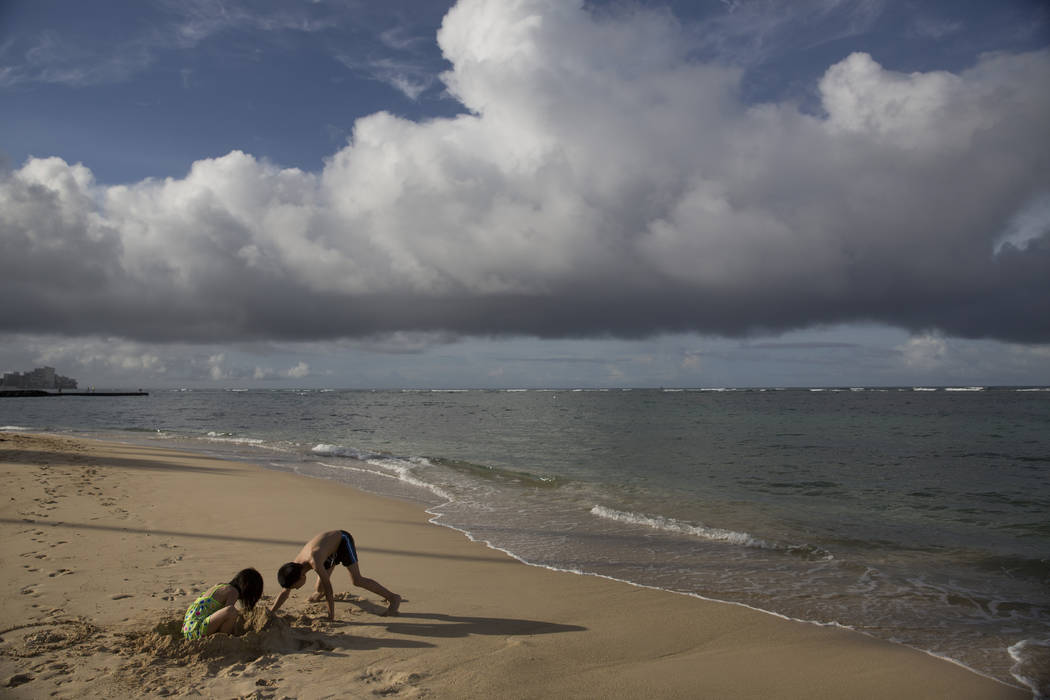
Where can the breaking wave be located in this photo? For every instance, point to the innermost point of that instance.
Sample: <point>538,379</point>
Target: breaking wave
<point>712,534</point>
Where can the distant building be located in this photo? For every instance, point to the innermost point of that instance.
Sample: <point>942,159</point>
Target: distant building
<point>39,378</point>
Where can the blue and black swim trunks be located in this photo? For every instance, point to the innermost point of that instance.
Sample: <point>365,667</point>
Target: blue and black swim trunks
<point>346,554</point>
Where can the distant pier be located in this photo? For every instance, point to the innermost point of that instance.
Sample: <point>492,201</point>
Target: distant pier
<point>11,393</point>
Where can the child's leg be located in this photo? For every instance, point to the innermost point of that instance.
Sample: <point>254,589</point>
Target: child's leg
<point>368,584</point>
<point>223,621</point>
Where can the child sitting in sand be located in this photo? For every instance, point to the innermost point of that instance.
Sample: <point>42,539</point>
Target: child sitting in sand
<point>215,611</point>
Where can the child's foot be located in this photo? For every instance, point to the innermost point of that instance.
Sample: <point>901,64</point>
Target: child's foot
<point>316,598</point>
<point>395,603</point>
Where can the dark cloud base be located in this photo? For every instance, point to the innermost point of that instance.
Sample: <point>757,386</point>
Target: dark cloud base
<point>1013,305</point>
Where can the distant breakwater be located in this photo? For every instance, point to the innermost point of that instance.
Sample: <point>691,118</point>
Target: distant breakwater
<point>15,393</point>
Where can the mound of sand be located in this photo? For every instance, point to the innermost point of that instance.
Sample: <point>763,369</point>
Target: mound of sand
<point>258,633</point>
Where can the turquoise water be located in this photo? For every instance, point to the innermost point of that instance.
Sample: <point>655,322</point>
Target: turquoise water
<point>916,516</point>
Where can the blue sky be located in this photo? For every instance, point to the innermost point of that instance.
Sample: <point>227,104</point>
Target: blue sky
<point>533,193</point>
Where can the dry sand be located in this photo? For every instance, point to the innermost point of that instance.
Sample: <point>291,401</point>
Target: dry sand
<point>104,545</point>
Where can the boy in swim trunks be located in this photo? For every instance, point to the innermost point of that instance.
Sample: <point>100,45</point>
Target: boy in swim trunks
<point>322,553</point>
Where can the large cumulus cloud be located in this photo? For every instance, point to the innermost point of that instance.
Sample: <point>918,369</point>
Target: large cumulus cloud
<point>601,182</point>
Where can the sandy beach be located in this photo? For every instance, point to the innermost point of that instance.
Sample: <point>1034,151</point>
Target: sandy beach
<point>104,545</point>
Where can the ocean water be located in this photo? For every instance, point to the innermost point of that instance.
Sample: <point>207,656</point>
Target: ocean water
<point>916,515</point>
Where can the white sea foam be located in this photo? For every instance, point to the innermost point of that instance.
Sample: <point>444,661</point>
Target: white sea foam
<point>387,468</point>
<point>964,388</point>
<point>230,438</point>
<point>15,428</point>
<point>712,534</point>
<point>671,525</point>
<point>1032,665</point>
<point>342,451</point>
<point>405,471</point>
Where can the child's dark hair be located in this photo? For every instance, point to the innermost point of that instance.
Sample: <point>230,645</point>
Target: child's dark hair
<point>249,585</point>
<point>289,574</point>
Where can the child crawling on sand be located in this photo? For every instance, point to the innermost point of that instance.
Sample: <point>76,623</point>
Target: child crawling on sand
<point>216,611</point>
<point>322,553</point>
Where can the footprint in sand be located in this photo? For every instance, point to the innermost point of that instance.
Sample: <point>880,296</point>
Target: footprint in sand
<point>392,683</point>
<point>172,593</point>
<point>29,590</point>
<point>60,572</point>
<point>55,670</point>
<point>17,680</point>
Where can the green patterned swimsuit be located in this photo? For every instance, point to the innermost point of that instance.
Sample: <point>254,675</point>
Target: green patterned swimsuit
<point>195,624</point>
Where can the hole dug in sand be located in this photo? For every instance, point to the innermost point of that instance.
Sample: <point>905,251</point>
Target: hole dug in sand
<point>159,660</point>
<point>258,633</point>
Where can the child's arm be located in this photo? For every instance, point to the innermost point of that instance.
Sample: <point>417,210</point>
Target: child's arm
<point>227,595</point>
<point>326,585</point>
<point>283,596</point>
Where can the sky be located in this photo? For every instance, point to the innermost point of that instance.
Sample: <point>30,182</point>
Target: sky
<point>526,193</point>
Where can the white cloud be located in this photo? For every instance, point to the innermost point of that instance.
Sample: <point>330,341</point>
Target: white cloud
<point>936,28</point>
<point>1029,225</point>
<point>410,78</point>
<point>144,361</point>
<point>299,371</point>
<point>400,39</point>
<point>604,182</point>
<point>862,97</point>
<point>924,352</point>
<point>94,58</point>
<point>215,364</point>
<point>755,31</point>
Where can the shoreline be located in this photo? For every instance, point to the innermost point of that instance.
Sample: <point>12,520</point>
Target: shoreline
<point>718,601</point>
<point>475,623</point>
